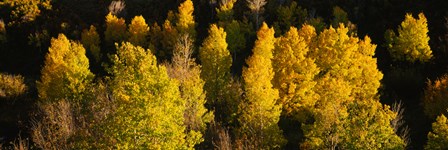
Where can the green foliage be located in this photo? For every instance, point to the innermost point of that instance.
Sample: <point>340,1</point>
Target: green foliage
<point>225,11</point>
<point>438,137</point>
<point>291,15</point>
<point>138,31</point>
<point>66,73</point>
<point>90,39</point>
<point>115,29</point>
<point>434,100</point>
<point>11,86</point>
<point>216,62</point>
<point>339,16</point>
<point>259,112</point>
<point>149,110</point>
<point>412,42</point>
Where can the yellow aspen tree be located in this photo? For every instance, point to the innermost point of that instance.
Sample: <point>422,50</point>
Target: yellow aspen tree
<point>347,90</point>
<point>259,111</point>
<point>349,58</point>
<point>438,137</point>
<point>149,110</point>
<point>329,113</point>
<point>368,125</point>
<point>185,19</point>
<point>412,42</point>
<point>66,73</point>
<point>216,62</point>
<point>184,68</point>
<point>294,70</point>
<point>90,39</point>
<point>138,31</point>
<point>115,29</point>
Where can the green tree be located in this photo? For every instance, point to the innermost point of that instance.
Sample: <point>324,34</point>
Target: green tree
<point>438,137</point>
<point>149,110</point>
<point>66,73</point>
<point>412,42</point>
<point>225,11</point>
<point>115,29</point>
<point>289,15</point>
<point>91,41</point>
<point>216,62</point>
<point>259,112</point>
<point>138,31</point>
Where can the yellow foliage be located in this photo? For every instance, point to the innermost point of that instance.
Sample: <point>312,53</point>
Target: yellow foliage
<point>25,10</point>
<point>185,22</point>
<point>149,110</point>
<point>216,61</point>
<point>260,113</point>
<point>187,72</point>
<point>438,137</point>
<point>412,42</point>
<point>294,70</point>
<point>138,31</point>
<point>115,29</point>
<point>66,73</point>
<point>91,41</point>
<point>11,86</point>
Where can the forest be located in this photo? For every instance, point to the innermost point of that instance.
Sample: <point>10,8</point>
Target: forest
<point>223,74</point>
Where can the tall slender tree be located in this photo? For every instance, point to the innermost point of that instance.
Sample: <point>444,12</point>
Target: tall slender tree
<point>259,112</point>
<point>216,62</point>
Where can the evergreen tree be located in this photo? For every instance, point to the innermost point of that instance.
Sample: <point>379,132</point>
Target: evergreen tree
<point>259,112</point>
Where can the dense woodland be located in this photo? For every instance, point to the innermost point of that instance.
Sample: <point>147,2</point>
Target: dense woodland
<point>223,74</point>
